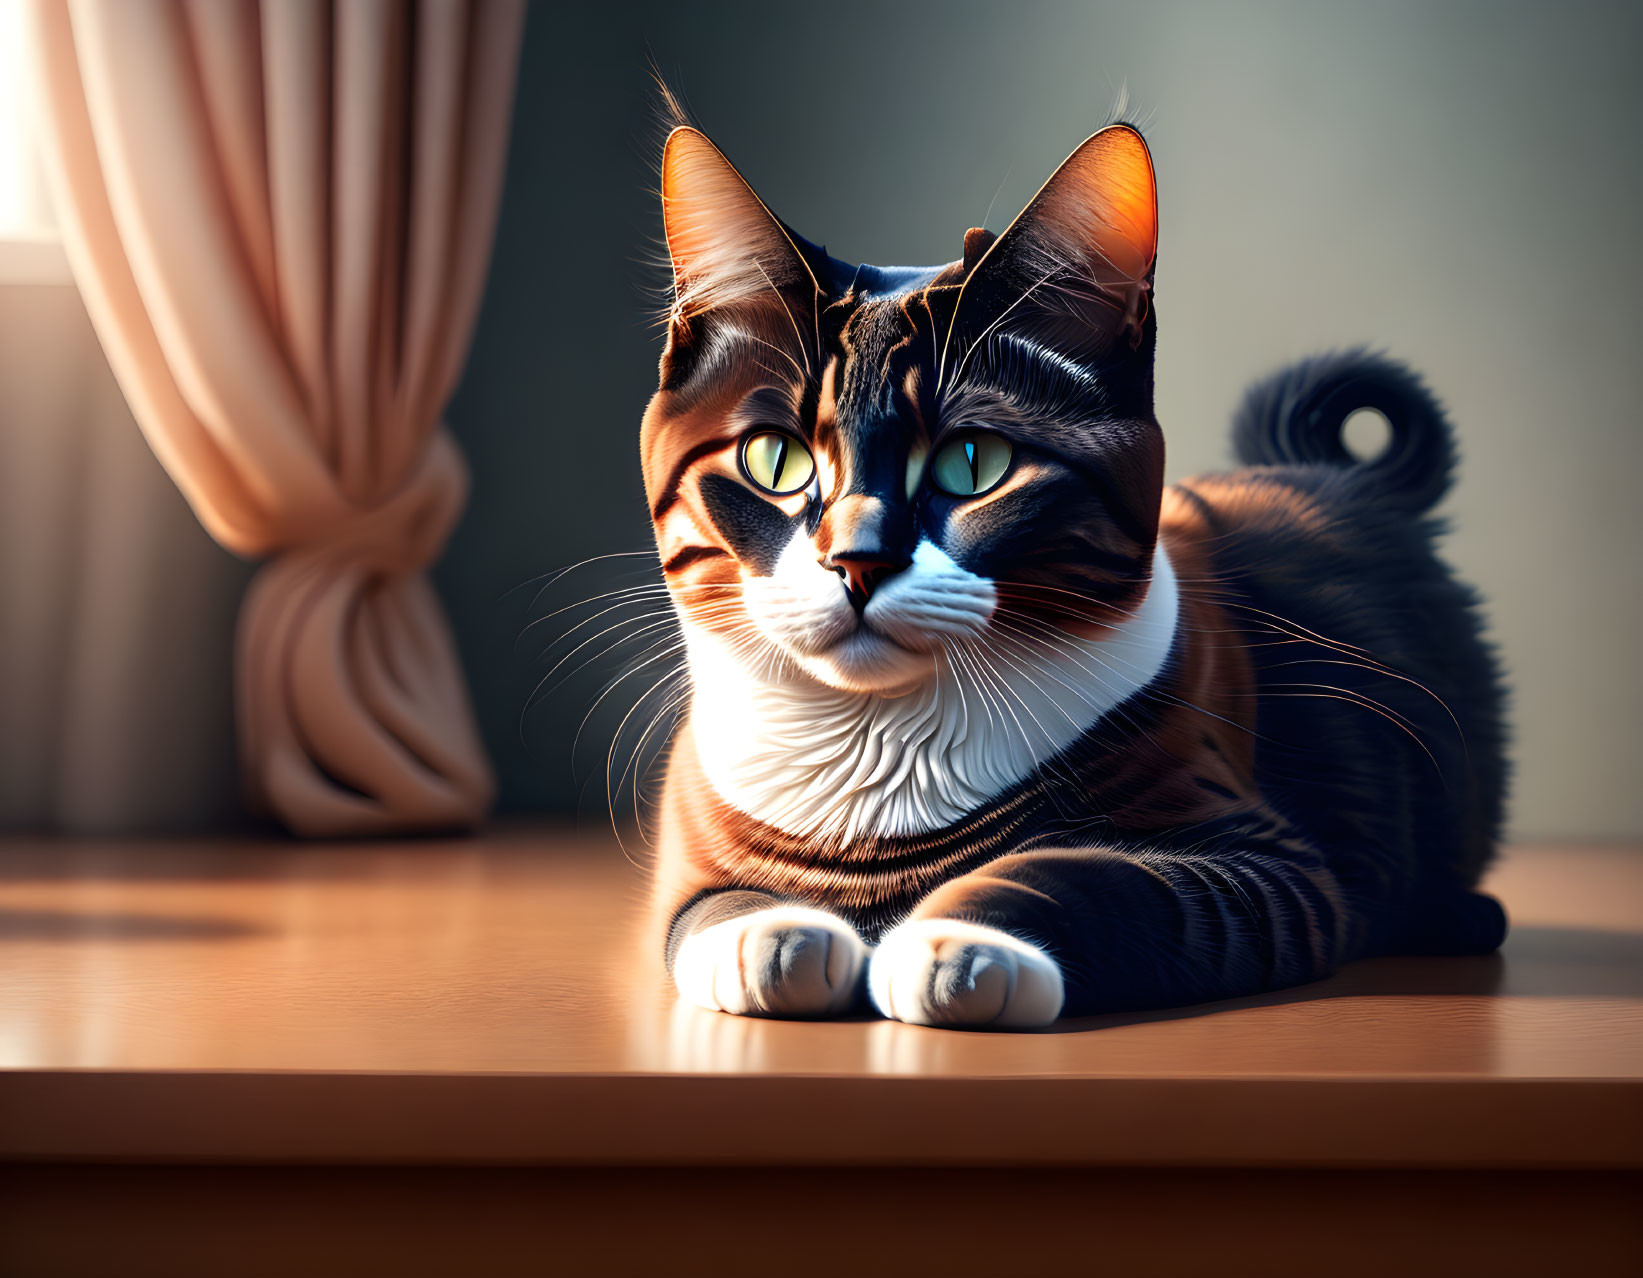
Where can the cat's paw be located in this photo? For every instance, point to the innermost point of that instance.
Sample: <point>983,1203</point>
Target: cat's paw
<point>786,961</point>
<point>944,972</point>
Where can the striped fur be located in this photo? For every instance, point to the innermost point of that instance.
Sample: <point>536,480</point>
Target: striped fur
<point>1307,766</point>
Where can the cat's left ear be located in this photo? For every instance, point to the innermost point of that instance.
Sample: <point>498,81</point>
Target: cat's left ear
<point>725,245</point>
<point>1073,271</point>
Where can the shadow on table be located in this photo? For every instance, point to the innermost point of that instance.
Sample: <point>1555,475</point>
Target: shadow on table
<point>1546,962</point>
<point>94,925</point>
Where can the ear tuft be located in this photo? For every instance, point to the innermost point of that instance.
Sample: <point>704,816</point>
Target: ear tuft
<point>670,107</point>
<point>725,245</point>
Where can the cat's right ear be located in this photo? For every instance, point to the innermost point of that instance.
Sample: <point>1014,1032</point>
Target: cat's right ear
<point>1074,270</point>
<point>726,247</point>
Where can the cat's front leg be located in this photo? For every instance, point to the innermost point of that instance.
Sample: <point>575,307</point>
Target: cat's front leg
<point>1035,935</point>
<point>750,954</point>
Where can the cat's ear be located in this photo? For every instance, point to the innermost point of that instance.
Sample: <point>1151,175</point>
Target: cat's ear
<point>725,245</point>
<point>1074,270</point>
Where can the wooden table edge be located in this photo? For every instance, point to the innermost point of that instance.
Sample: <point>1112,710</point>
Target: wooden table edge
<point>640,1119</point>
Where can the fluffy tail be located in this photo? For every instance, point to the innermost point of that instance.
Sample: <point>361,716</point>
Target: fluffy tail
<point>1295,417</point>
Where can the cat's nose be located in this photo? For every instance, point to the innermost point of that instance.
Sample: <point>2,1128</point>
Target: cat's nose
<point>863,573</point>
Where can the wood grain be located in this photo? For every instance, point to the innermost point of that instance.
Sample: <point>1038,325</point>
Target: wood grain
<point>493,1000</point>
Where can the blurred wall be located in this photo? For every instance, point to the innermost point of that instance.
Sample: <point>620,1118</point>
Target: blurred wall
<point>117,632</point>
<point>1461,184</point>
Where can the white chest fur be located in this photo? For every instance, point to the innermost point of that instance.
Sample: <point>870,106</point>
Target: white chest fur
<point>813,760</point>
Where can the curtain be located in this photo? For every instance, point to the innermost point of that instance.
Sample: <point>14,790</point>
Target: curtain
<point>279,215</point>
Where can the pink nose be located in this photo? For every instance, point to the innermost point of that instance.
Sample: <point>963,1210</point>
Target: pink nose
<point>861,575</point>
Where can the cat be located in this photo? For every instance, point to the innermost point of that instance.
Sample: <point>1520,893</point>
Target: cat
<point>987,725</point>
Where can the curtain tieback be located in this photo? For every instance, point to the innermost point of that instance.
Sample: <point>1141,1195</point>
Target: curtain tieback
<point>353,718</point>
<point>399,536</point>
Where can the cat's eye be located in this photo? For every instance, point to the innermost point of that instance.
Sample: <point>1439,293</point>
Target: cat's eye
<point>970,463</point>
<point>777,462</point>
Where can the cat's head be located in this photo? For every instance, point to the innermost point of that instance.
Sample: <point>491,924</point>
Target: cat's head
<point>859,471</point>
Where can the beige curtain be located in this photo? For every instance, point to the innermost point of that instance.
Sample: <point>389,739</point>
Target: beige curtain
<point>280,216</point>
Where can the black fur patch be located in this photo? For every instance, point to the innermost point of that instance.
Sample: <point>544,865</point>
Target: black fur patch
<point>756,530</point>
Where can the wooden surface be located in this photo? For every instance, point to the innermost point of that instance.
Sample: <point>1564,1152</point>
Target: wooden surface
<point>397,1222</point>
<point>493,1000</point>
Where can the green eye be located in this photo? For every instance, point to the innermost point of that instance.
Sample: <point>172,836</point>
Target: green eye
<point>777,462</point>
<point>971,463</point>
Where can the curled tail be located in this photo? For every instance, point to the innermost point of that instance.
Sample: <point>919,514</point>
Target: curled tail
<point>1295,417</point>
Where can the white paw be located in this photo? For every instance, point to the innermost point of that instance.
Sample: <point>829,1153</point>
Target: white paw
<point>786,961</point>
<point>944,972</point>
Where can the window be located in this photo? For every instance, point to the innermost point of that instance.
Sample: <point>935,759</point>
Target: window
<point>29,251</point>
